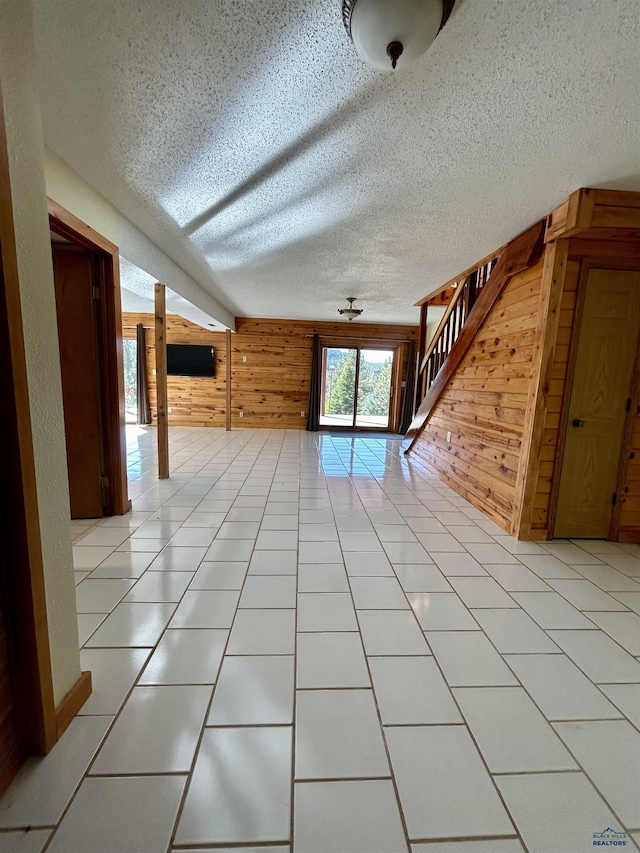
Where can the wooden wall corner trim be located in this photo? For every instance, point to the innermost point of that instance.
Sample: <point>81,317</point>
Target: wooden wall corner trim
<point>72,702</point>
<point>553,275</point>
<point>160,328</point>
<point>228,388</point>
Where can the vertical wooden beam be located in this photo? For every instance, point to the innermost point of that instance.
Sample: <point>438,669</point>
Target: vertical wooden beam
<point>161,380</point>
<point>553,275</point>
<point>228,389</point>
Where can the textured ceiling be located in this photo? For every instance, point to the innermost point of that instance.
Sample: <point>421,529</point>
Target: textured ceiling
<point>249,141</point>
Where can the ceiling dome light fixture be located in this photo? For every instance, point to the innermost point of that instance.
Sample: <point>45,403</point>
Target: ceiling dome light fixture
<point>394,33</point>
<point>350,312</point>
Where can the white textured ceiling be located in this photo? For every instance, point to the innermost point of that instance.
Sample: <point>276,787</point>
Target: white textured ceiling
<point>138,294</point>
<point>249,141</point>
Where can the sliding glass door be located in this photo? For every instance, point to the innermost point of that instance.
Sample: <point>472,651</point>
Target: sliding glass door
<point>356,387</point>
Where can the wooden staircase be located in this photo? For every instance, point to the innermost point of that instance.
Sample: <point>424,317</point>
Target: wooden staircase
<point>475,292</point>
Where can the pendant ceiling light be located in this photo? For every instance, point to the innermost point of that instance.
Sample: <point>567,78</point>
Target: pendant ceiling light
<point>394,33</point>
<point>350,312</point>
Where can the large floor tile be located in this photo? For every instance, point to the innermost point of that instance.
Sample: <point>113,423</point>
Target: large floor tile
<point>629,599</point>
<point>459,565</point>
<point>263,632</point>
<point>511,733</point>
<point>157,732</point>
<point>220,575</point>
<point>24,841</point>
<point>585,596</point>
<point>206,609</point>
<point>338,735</point>
<point>113,672</point>
<point>178,560</point>
<point>609,579</point>
<point>123,564</point>
<point>128,815</point>
<point>441,611</point>
<point>88,557</point>
<point>559,689</point>
<point>422,578</point>
<point>469,660</point>
<point>331,611</point>
<point>331,660</point>
<point>391,632</point>
<point>624,628</point>
<point>254,690</point>
<point>264,591</point>
<point>365,818</point>
<point>41,791</point>
<point>123,815</point>
<point>378,594</point>
<point>101,596</point>
<point>547,566</point>
<point>567,811</point>
<point>513,631</point>
<point>550,610</point>
<point>517,579</point>
<point>160,586</point>
<point>626,697</point>
<point>319,577</point>
<point>598,656</point>
<point>319,552</point>
<point>450,795</point>
<point>609,753</point>
<point>481,592</point>
<point>411,691</point>
<point>570,553</point>
<point>273,563</point>
<point>372,565</point>
<point>87,624</point>
<point>241,788</point>
<point>186,657</point>
<point>133,624</point>
<point>493,845</point>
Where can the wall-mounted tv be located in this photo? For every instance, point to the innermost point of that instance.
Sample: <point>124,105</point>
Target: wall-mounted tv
<point>190,360</point>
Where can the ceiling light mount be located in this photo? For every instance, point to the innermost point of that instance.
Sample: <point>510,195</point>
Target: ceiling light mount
<point>383,31</point>
<point>350,312</point>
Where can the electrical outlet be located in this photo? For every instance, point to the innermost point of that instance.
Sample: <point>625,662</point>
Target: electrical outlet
<point>244,359</point>
<point>302,414</point>
<point>241,414</point>
<point>448,436</point>
<point>153,372</point>
<point>169,409</point>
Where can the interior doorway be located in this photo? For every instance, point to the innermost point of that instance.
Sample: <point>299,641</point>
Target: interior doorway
<point>130,363</point>
<point>356,388</point>
<point>87,283</point>
<point>600,399</point>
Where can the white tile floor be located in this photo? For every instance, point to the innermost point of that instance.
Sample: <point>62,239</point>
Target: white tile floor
<point>306,644</point>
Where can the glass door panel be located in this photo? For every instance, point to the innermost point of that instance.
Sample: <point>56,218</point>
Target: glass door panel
<point>337,406</point>
<point>374,388</point>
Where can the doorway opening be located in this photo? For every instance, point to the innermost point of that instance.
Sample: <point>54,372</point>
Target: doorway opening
<point>356,388</point>
<point>130,362</point>
<point>87,289</point>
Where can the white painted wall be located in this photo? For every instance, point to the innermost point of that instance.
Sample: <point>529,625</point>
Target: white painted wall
<point>26,167</point>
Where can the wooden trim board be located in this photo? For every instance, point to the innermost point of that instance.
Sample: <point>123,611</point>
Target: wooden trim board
<point>161,380</point>
<point>72,703</point>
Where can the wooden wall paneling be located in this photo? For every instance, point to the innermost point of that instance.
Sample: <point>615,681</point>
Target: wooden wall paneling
<point>473,437</point>
<point>553,275</point>
<point>160,323</point>
<point>626,512</point>
<point>228,381</point>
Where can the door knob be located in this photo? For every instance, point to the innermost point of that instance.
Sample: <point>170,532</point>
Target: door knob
<point>577,422</point>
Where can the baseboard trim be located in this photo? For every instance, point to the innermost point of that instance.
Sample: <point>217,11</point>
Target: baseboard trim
<point>629,537</point>
<point>72,702</point>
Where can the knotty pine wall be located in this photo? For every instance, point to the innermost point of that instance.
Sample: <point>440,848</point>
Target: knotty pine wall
<point>484,406</point>
<point>272,387</point>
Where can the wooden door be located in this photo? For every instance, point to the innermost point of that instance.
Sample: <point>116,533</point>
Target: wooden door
<point>606,352</point>
<point>77,334</point>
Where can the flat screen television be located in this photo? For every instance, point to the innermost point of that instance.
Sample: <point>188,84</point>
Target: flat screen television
<point>190,360</point>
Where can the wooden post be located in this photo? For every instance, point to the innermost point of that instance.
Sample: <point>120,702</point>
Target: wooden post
<point>228,389</point>
<point>161,381</point>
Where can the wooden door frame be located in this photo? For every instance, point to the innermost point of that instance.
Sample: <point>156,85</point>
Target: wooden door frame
<point>114,437</point>
<point>28,631</point>
<point>358,344</point>
<point>588,264</point>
